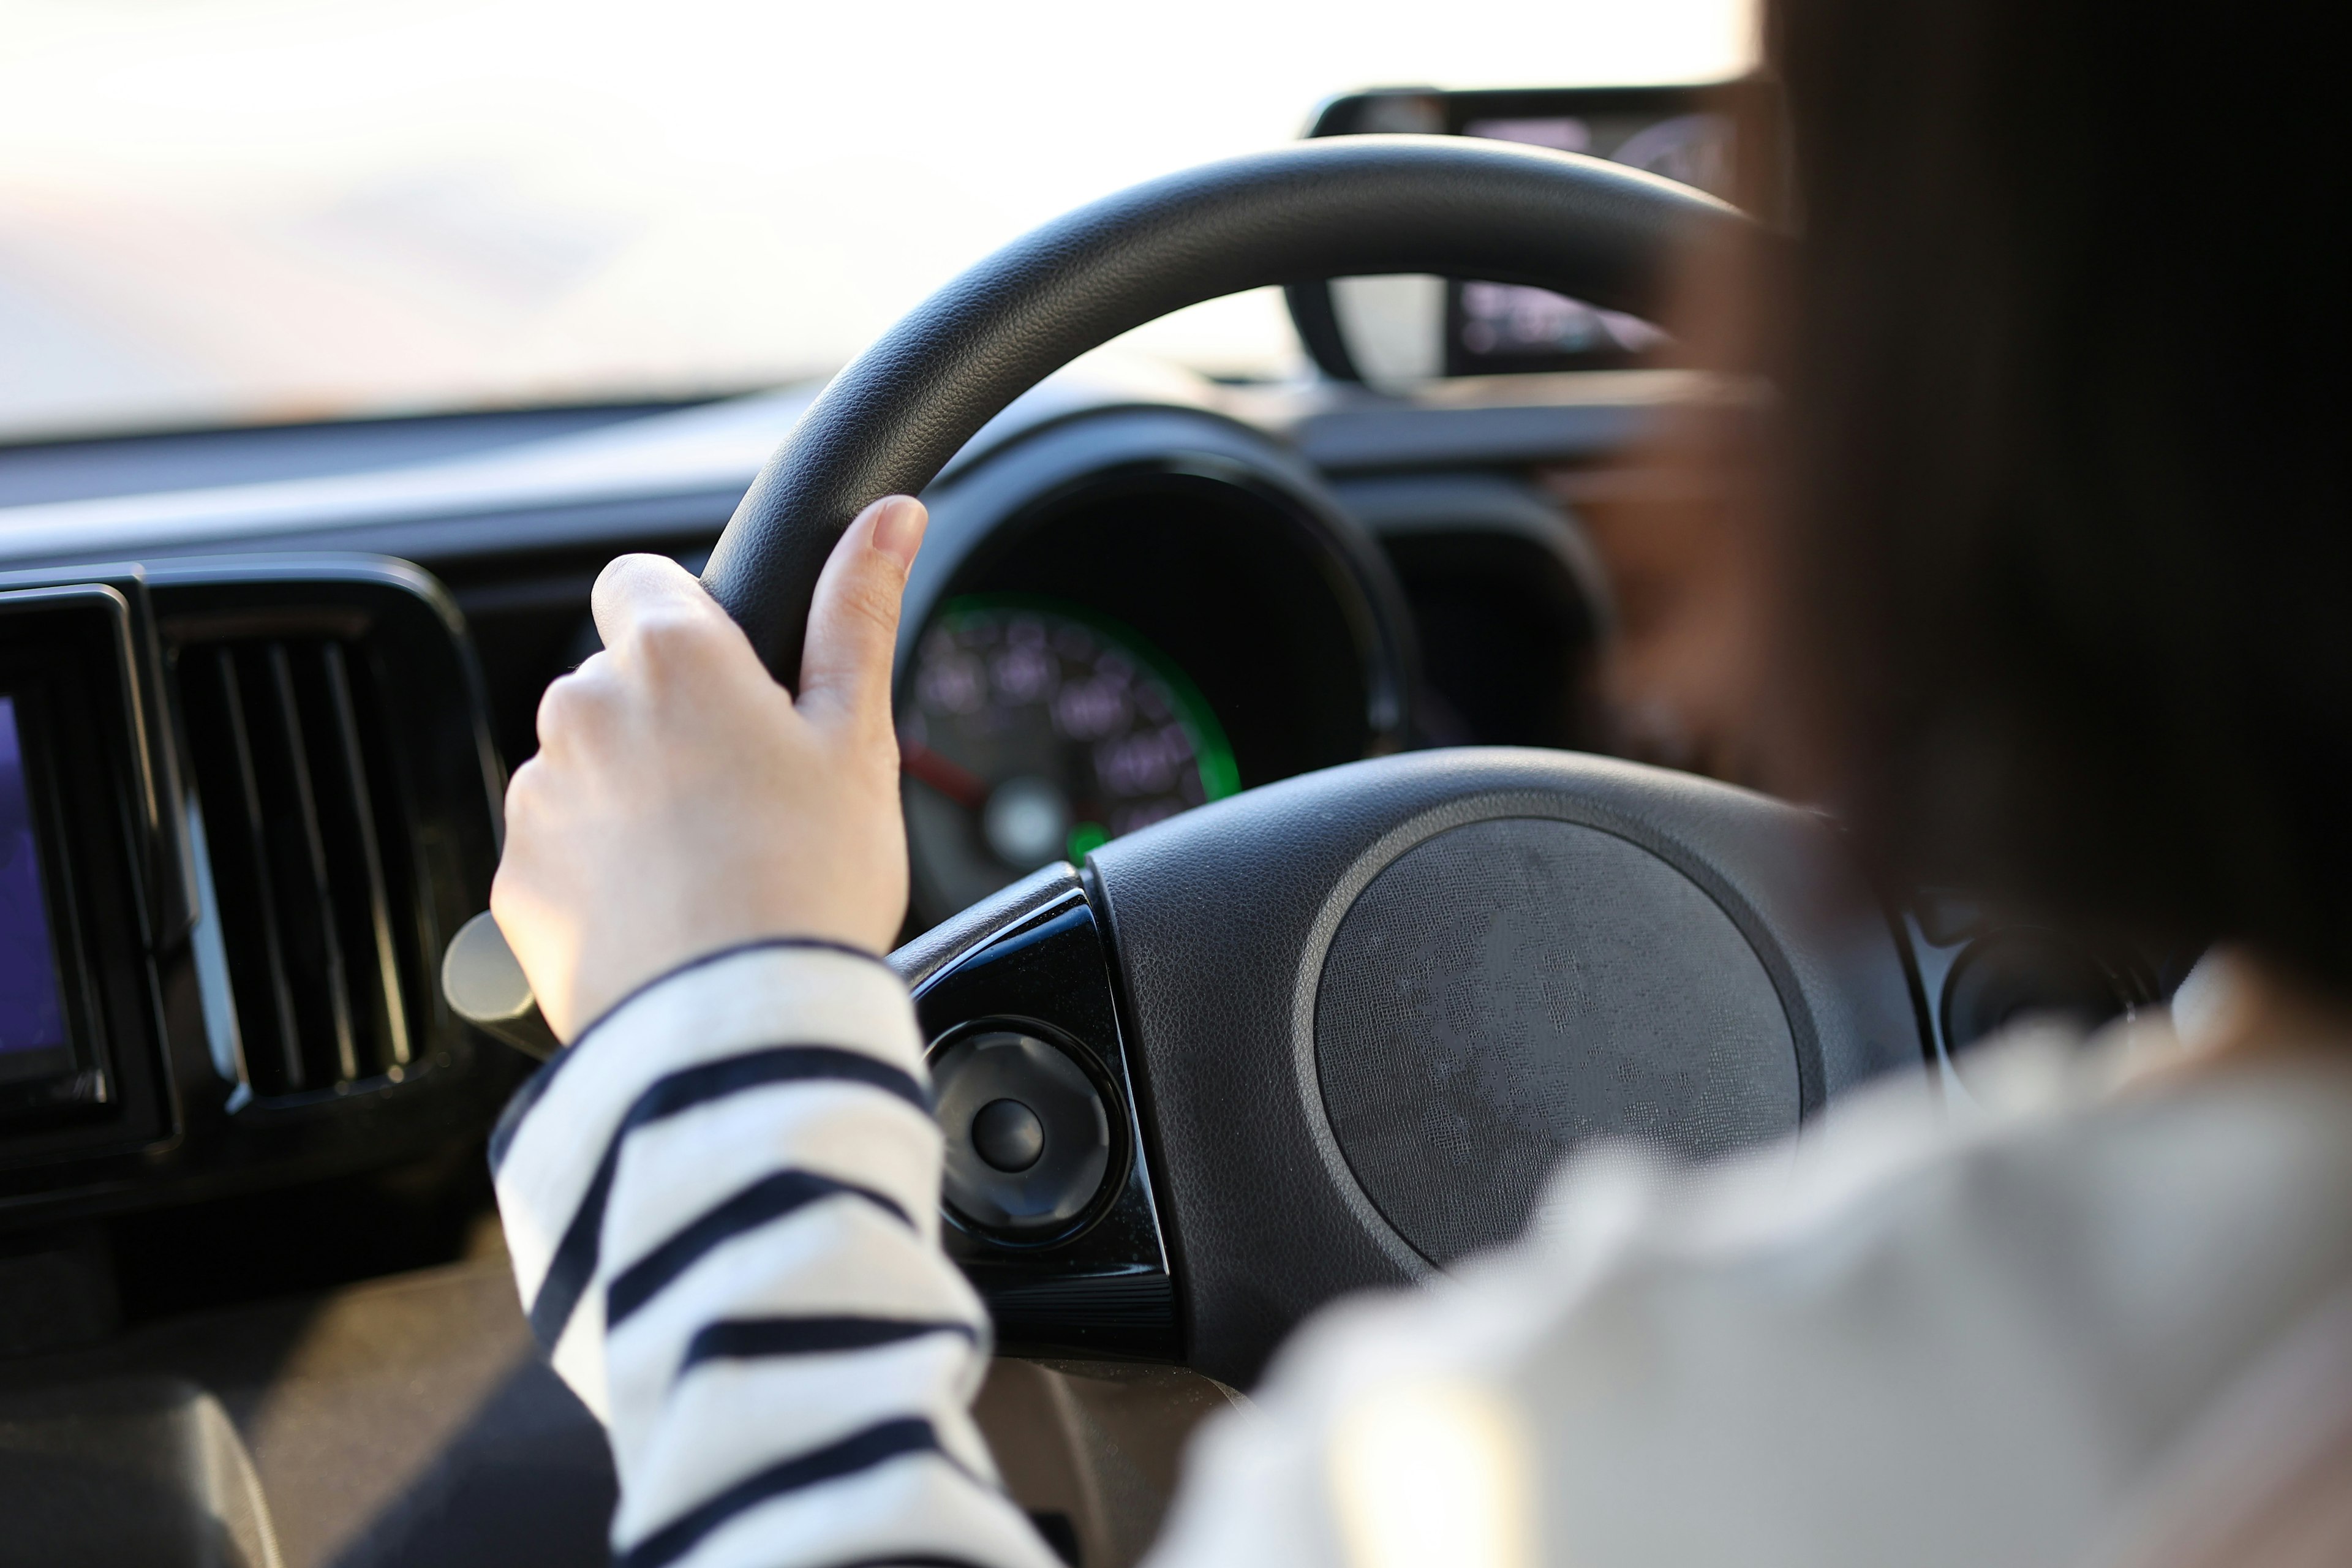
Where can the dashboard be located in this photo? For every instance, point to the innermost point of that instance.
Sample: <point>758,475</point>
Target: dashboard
<point>259,693</point>
<point>253,734</point>
<point>251,762</point>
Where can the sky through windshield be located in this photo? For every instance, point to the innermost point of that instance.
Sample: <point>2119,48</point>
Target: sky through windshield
<point>219,210</point>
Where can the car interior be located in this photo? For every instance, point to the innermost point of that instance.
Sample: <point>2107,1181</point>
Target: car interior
<point>1214,696</point>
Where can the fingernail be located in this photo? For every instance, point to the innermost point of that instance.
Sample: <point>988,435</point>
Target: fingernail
<point>899,529</point>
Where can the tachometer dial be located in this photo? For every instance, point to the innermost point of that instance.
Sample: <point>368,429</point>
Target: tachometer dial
<point>1030,731</point>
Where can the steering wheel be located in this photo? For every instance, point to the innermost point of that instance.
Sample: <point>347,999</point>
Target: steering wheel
<point>1333,207</point>
<point>1347,1023</point>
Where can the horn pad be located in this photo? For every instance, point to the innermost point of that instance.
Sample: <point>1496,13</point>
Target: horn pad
<point>1505,990</point>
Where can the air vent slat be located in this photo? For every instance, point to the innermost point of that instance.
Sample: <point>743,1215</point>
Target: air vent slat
<point>267,1021</point>
<point>320,983</point>
<point>371,853</point>
<point>303,881</point>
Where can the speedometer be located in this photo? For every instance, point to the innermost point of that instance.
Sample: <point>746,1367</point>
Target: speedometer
<point>1031,731</point>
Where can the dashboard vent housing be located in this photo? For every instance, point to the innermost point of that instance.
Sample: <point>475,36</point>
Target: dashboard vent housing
<point>294,778</point>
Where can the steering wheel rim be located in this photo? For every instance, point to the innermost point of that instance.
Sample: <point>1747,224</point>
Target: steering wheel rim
<point>1341,207</point>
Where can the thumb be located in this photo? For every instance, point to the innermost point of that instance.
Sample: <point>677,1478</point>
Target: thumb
<point>853,623</point>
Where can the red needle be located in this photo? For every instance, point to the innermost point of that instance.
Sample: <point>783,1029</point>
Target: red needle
<point>954,779</point>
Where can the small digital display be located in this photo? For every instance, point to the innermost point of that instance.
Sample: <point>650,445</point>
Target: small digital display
<point>32,999</point>
<point>1494,327</point>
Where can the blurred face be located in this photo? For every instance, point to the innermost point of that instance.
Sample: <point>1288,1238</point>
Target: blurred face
<point>1681,528</point>
<point>1680,681</point>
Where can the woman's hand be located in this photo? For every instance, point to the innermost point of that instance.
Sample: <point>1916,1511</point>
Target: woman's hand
<point>682,802</point>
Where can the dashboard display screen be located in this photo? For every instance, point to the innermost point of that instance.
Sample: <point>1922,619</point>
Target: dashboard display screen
<point>1720,137</point>
<point>32,1000</point>
<point>1495,327</point>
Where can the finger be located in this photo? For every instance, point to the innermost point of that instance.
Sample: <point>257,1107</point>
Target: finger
<point>854,621</point>
<point>635,591</point>
<point>577,707</point>
<point>526,789</point>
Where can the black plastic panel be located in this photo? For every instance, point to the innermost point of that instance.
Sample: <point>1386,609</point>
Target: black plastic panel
<point>362,705</point>
<point>1981,970</point>
<point>75,660</point>
<point>1106,1290</point>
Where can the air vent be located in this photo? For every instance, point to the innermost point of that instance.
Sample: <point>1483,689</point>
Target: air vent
<point>307,865</point>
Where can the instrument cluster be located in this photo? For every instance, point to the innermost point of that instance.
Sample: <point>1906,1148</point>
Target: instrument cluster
<point>1125,617</point>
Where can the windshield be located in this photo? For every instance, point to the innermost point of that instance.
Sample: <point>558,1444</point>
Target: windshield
<point>217,211</point>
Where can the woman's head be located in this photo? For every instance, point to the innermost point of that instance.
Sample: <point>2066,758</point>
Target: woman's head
<point>2066,532</point>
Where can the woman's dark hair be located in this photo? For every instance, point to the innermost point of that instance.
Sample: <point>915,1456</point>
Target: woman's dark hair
<point>2066,363</point>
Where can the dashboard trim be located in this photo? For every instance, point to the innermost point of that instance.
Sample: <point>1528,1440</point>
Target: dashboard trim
<point>447,780</point>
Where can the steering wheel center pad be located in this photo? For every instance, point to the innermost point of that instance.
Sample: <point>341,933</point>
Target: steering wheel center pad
<point>1710,950</point>
<point>1333,207</point>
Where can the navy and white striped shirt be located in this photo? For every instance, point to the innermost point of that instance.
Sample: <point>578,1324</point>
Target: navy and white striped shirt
<point>725,1229</point>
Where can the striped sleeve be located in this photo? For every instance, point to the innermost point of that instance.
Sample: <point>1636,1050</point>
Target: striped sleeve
<point>723,1206</point>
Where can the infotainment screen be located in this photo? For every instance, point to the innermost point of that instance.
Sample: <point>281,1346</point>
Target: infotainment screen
<point>32,1001</point>
<point>1720,137</point>
<point>1503,327</point>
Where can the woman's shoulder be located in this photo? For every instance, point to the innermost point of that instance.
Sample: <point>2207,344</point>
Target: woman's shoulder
<point>1948,1324</point>
<point>1974,1311</point>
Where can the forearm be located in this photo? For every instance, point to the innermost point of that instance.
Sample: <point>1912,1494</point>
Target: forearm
<point>723,1206</point>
